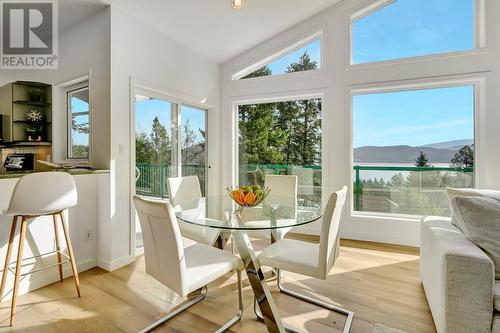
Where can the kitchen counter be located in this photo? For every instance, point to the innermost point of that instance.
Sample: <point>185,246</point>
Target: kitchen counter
<point>15,174</point>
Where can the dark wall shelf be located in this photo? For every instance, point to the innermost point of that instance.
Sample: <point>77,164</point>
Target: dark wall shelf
<point>32,103</point>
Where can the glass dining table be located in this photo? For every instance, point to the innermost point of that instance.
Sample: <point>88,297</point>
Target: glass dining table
<point>221,212</point>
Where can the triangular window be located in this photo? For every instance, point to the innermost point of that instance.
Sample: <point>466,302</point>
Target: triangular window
<point>298,59</point>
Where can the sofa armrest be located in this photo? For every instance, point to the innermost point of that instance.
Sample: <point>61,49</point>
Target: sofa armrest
<point>458,278</point>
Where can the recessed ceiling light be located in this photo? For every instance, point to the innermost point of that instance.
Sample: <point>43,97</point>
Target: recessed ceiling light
<point>238,4</point>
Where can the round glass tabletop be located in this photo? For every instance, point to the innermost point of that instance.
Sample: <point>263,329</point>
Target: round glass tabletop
<point>221,212</point>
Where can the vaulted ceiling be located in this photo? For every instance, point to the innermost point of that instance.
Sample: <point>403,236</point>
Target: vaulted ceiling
<point>214,29</point>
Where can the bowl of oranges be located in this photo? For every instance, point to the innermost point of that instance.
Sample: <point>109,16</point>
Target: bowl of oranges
<point>249,195</point>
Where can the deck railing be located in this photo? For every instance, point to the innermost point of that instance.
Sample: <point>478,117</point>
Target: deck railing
<point>386,189</point>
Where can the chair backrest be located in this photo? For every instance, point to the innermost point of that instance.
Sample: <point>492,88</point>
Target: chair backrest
<point>330,231</point>
<point>182,189</point>
<point>43,193</point>
<point>163,249</point>
<point>283,190</point>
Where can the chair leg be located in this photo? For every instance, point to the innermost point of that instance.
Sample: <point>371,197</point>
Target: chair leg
<point>349,314</point>
<point>22,235</point>
<point>238,315</point>
<point>58,248</point>
<point>200,296</point>
<point>71,255</point>
<point>7,255</point>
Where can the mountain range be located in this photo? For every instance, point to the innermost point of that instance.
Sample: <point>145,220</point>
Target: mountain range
<point>439,152</point>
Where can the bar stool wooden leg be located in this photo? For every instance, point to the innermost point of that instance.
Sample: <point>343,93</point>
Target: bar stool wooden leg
<point>7,256</point>
<point>58,248</point>
<point>71,255</point>
<point>19,263</point>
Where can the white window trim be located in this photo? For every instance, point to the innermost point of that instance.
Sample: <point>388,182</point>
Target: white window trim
<point>478,80</point>
<point>284,51</point>
<point>480,38</point>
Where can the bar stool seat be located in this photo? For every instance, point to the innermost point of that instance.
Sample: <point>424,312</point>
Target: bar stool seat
<point>35,195</point>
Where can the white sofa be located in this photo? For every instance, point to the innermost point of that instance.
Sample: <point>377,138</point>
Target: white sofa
<point>459,280</point>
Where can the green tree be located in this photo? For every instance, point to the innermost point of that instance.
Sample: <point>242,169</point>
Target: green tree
<point>464,158</point>
<point>263,71</point>
<point>144,152</point>
<point>301,122</point>
<point>259,142</point>
<point>160,143</point>
<point>422,161</point>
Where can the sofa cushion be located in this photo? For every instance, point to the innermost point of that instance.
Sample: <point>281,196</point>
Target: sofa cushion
<point>497,295</point>
<point>468,192</point>
<point>479,217</point>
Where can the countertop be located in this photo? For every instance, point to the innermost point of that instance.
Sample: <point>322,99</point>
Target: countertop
<point>75,172</point>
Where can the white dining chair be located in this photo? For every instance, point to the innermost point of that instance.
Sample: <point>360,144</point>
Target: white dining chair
<point>187,189</point>
<point>283,192</point>
<point>313,260</point>
<point>184,270</point>
<point>35,195</point>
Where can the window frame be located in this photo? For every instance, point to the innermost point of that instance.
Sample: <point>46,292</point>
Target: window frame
<point>69,119</point>
<point>283,51</point>
<point>480,38</point>
<point>479,85</point>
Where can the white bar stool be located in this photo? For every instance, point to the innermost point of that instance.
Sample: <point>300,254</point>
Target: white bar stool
<point>35,195</point>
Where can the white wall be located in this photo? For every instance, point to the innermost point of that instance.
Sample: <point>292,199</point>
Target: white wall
<point>335,79</point>
<point>144,55</point>
<point>83,48</point>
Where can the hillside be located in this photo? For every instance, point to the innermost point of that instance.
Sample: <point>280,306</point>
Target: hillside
<point>441,152</point>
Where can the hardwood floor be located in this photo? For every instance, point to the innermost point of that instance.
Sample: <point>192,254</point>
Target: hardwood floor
<point>380,283</point>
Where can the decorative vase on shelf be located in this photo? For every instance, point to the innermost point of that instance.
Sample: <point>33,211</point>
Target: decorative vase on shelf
<point>35,117</point>
<point>35,94</point>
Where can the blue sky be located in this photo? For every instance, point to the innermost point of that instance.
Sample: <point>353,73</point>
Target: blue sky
<point>147,110</point>
<point>413,118</point>
<point>408,28</point>
<point>77,105</point>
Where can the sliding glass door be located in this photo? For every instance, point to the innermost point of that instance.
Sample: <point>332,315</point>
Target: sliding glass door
<point>170,141</point>
<point>193,131</point>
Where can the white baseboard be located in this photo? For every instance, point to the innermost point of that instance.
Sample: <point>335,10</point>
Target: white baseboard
<point>41,279</point>
<point>381,238</point>
<point>115,264</point>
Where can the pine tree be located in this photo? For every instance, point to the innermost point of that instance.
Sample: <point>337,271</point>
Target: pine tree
<point>259,142</point>
<point>160,142</point>
<point>464,158</point>
<point>143,149</point>
<point>422,161</point>
<point>301,120</point>
<point>263,71</point>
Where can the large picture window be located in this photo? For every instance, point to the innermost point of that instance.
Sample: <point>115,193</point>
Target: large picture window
<point>409,28</point>
<point>282,138</point>
<point>408,146</point>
